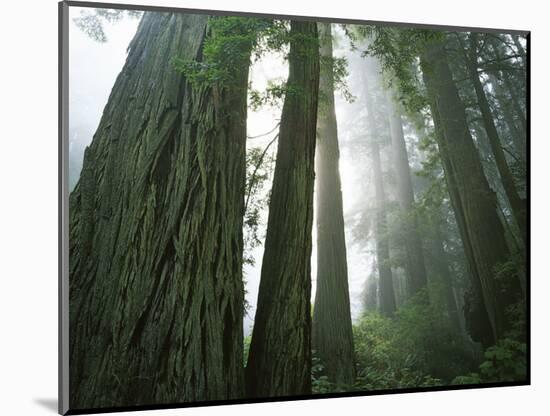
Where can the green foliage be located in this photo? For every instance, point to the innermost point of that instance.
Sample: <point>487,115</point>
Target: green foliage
<point>319,382</point>
<point>230,40</point>
<point>339,68</point>
<point>417,347</point>
<point>228,43</point>
<point>472,378</point>
<point>506,276</point>
<point>272,96</point>
<point>398,50</point>
<point>435,195</point>
<point>505,361</point>
<point>382,363</point>
<point>340,74</point>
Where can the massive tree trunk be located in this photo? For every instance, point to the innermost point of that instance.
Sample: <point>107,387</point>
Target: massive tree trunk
<point>279,362</point>
<point>476,316</point>
<point>483,232</point>
<point>156,292</point>
<point>415,266</point>
<point>332,335</point>
<point>517,205</point>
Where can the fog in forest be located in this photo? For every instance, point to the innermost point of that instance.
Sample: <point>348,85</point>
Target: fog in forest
<point>366,186</point>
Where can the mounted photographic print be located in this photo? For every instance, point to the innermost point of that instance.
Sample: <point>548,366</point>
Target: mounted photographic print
<point>260,208</point>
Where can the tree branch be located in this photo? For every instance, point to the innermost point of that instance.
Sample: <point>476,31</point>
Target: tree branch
<point>265,134</point>
<point>249,191</point>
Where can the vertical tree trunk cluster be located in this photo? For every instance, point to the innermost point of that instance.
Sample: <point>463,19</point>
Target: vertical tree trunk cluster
<point>279,362</point>
<point>415,267</point>
<point>386,293</point>
<point>516,203</point>
<point>156,292</point>
<point>156,218</point>
<point>332,335</point>
<point>474,202</point>
<point>517,134</point>
<point>385,283</point>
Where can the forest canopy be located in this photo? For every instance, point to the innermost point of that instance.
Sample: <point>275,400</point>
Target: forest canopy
<point>268,208</point>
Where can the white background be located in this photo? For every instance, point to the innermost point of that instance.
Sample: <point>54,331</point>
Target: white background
<point>28,206</point>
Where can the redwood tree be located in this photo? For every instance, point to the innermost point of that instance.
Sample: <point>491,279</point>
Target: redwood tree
<point>332,330</point>
<point>156,292</point>
<point>473,200</point>
<point>517,205</point>
<point>279,362</point>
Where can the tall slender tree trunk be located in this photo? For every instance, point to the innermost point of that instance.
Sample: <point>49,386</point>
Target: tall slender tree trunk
<point>279,363</point>
<point>415,266</point>
<point>485,233</point>
<point>509,82</point>
<point>386,292</point>
<point>518,136</point>
<point>517,205</point>
<point>332,335</point>
<point>517,104</point>
<point>156,292</point>
<point>517,114</point>
<point>385,283</point>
